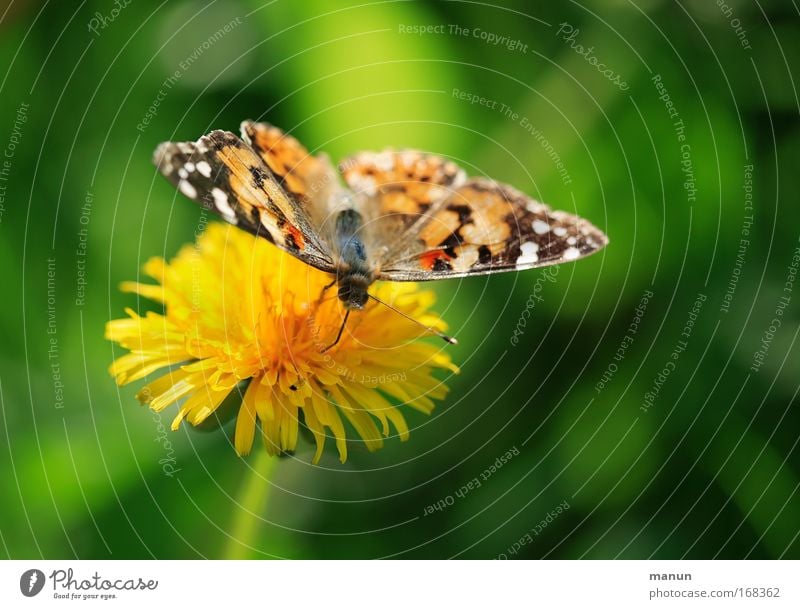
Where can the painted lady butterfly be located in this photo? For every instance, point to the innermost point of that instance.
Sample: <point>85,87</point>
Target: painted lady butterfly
<point>404,215</point>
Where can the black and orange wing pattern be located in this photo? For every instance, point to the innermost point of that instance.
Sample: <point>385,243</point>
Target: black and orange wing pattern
<point>485,227</point>
<point>397,189</point>
<point>309,180</point>
<point>225,175</point>
<point>424,219</point>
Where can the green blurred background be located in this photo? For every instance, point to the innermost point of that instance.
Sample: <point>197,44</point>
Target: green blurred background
<point>706,468</point>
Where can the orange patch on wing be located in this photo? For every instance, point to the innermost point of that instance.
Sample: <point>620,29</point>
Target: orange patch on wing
<point>285,156</point>
<point>296,235</point>
<point>398,201</point>
<point>489,217</point>
<point>428,259</point>
<point>440,227</point>
<point>242,190</point>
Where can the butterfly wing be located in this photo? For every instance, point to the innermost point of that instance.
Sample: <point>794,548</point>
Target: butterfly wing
<point>486,227</point>
<point>397,189</point>
<point>225,175</point>
<point>310,180</point>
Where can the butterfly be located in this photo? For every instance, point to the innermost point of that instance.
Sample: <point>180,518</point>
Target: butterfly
<point>403,215</point>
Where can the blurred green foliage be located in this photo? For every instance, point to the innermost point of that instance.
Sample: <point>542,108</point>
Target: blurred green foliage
<point>710,469</point>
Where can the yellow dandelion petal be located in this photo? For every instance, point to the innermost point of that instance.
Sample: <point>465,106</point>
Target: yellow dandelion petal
<point>199,406</point>
<point>288,429</point>
<point>263,398</point>
<point>378,406</point>
<point>318,430</point>
<point>274,429</point>
<point>246,421</point>
<point>364,425</point>
<point>155,268</point>
<point>327,378</point>
<point>180,389</point>
<point>151,292</point>
<point>137,365</point>
<point>235,308</point>
<point>421,402</point>
<point>160,386</point>
<point>368,405</point>
<point>329,417</point>
<point>212,398</point>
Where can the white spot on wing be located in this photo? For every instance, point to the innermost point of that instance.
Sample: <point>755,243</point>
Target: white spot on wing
<point>409,158</point>
<point>204,168</point>
<point>466,257</point>
<point>363,184</point>
<point>571,253</point>
<point>187,189</point>
<point>189,166</point>
<point>559,231</point>
<point>540,227</point>
<point>384,161</point>
<point>182,173</point>
<point>221,203</point>
<point>528,253</point>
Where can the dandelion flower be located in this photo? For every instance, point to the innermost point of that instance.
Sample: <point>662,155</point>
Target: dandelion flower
<point>238,312</point>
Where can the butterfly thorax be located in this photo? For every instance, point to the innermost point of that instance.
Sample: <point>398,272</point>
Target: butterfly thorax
<point>353,273</point>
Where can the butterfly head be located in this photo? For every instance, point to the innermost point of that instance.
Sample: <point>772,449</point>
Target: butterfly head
<point>353,290</point>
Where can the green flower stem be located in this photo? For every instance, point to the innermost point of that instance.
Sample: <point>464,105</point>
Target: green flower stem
<point>252,499</point>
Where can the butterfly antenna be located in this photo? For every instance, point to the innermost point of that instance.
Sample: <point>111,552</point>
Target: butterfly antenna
<point>339,335</point>
<point>434,331</point>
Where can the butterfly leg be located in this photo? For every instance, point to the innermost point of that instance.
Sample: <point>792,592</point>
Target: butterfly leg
<point>325,289</point>
<point>339,335</point>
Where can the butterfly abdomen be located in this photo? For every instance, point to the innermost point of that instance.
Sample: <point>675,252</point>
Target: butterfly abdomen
<point>353,273</point>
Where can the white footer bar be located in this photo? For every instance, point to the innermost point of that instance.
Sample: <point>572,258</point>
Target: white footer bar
<point>400,584</point>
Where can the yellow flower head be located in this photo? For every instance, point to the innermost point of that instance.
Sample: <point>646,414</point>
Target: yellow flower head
<point>237,309</point>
